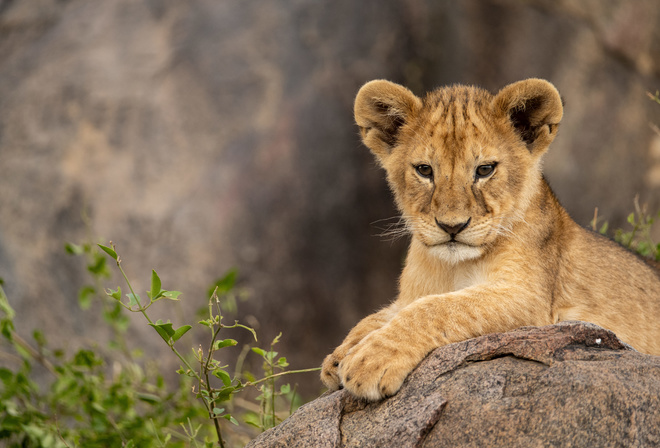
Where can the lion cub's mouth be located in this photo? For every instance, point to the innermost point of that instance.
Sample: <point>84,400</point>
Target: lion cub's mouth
<point>452,244</point>
<point>456,245</point>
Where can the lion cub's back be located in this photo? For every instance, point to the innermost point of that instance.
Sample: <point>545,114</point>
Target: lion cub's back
<point>603,283</point>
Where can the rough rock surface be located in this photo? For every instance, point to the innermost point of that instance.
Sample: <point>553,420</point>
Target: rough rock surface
<point>570,384</point>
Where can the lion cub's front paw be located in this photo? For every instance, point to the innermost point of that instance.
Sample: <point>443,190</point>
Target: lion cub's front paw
<point>330,371</point>
<point>376,368</point>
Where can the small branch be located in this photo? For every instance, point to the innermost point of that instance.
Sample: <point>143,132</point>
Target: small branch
<point>275,375</point>
<point>37,355</point>
<point>59,434</point>
<point>210,352</point>
<point>595,221</point>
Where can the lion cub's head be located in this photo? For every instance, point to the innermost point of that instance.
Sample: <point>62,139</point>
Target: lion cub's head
<point>464,165</point>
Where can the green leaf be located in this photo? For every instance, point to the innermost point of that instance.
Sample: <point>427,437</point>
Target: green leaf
<point>168,333</point>
<point>603,229</point>
<point>172,295</point>
<point>85,296</point>
<point>86,358</point>
<point>6,375</point>
<point>224,343</point>
<point>224,393</point>
<point>5,307</point>
<point>285,389</point>
<point>133,299</point>
<point>644,248</point>
<point>73,249</point>
<point>224,376</point>
<point>7,328</point>
<point>252,419</point>
<point>149,398</point>
<point>39,338</point>
<point>282,362</point>
<point>165,330</point>
<point>114,316</point>
<point>155,286</point>
<point>114,294</point>
<point>99,266</point>
<point>231,419</point>
<point>217,411</point>
<point>180,332</point>
<point>224,284</point>
<point>108,251</point>
<point>631,218</point>
<point>259,351</point>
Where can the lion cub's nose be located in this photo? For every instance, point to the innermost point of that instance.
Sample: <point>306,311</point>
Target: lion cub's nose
<point>453,230</point>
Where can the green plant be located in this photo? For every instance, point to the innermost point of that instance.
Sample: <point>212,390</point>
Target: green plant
<point>83,405</point>
<point>213,396</point>
<point>115,396</point>
<point>639,238</point>
<point>267,417</point>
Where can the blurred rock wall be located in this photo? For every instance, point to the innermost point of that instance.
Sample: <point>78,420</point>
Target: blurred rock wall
<point>202,135</point>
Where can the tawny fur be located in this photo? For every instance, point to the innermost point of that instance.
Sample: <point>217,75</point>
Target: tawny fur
<point>488,253</point>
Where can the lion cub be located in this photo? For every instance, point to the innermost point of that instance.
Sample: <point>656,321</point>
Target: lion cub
<point>492,249</point>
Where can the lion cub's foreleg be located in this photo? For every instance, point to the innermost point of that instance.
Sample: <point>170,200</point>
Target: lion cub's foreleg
<point>377,365</point>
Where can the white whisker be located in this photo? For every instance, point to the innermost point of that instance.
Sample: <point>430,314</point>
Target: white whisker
<point>393,231</point>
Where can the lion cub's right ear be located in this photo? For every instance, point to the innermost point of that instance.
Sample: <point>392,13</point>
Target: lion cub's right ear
<point>381,109</point>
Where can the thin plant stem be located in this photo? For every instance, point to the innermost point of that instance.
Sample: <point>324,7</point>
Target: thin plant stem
<point>34,353</point>
<point>275,375</point>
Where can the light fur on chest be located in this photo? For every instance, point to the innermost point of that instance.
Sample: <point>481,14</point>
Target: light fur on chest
<point>424,277</point>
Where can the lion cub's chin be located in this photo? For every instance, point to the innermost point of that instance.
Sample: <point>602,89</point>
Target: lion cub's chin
<point>455,252</point>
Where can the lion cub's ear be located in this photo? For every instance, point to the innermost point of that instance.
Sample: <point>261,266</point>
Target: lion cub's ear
<point>381,109</point>
<point>534,108</point>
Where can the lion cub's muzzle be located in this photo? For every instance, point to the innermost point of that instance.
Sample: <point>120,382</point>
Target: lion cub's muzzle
<point>453,229</point>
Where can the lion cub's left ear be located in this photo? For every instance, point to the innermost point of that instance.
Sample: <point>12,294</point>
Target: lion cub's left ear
<point>382,108</point>
<point>534,108</point>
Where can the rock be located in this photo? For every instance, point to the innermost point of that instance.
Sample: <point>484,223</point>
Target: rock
<point>570,384</point>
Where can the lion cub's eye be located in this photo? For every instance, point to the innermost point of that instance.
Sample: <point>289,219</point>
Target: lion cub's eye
<point>485,170</point>
<point>424,170</point>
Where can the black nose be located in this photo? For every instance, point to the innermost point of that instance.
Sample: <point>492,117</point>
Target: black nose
<point>455,229</point>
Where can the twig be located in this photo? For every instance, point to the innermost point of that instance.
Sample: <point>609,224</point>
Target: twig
<point>595,221</point>
<point>37,355</point>
<point>275,375</point>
